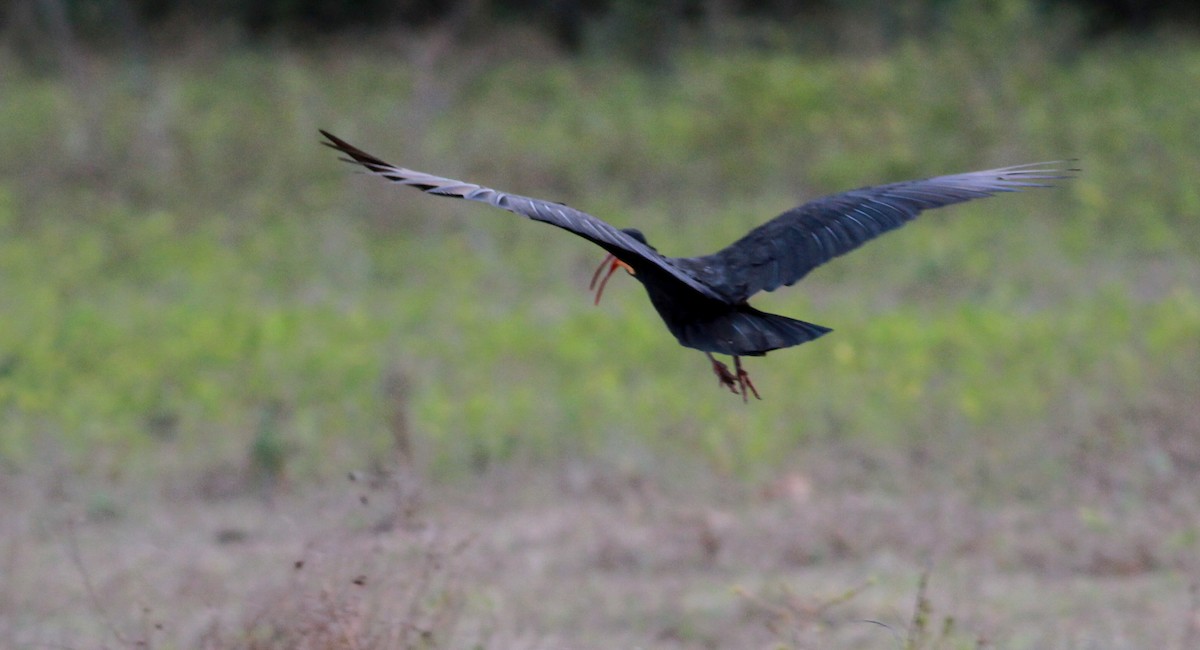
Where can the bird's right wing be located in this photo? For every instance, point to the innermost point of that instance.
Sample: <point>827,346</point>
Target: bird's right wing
<point>783,250</point>
<point>624,246</point>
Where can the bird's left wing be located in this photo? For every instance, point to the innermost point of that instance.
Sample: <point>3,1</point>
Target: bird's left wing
<point>786,248</point>
<point>624,246</point>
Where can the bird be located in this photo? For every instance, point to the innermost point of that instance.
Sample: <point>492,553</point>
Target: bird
<point>703,300</point>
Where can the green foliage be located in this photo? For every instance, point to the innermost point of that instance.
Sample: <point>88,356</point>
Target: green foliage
<point>177,252</point>
<point>635,27</point>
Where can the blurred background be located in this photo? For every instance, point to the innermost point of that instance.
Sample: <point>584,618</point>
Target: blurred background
<point>208,322</point>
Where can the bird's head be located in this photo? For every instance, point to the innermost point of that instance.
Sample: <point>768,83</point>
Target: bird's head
<point>637,234</point>
<point>612,262</point>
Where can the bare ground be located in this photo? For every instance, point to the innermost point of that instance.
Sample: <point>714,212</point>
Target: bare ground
<point>584,556</point>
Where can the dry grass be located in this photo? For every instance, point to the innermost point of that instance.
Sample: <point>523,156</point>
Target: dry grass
<point>592,557</point>
<point>229,322</point>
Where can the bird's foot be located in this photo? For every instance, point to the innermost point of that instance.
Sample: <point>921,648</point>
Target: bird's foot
<point>724,376</point>
<point>737,381</point>
<point>743,379</point>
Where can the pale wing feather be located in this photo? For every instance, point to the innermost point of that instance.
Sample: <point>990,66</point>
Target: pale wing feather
<point>610,238</point>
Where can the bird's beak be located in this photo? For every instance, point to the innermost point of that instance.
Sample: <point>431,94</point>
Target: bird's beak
<point>613,263</point>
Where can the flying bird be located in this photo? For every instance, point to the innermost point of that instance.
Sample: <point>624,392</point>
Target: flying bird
<point>703,300</point>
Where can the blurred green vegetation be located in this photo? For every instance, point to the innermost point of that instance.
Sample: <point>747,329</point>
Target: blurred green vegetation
<point>178,256</point>
<point>577,25</point>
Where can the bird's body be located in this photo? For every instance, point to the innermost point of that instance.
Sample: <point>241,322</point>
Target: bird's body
<point>703,300</point>
<point>721,327</point>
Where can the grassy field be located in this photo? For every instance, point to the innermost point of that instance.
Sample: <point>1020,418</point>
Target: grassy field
<point>209,321</point>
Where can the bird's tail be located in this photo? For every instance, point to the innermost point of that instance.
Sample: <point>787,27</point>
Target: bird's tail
<point>750,332</point>
<point>772,331</point>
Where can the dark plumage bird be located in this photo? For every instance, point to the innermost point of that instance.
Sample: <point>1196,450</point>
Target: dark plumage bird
<point>702,300</point>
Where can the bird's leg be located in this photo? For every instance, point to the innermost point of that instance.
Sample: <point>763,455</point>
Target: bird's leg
<point>613,264</point>
<point>743,379</point>
<point>724,377</point>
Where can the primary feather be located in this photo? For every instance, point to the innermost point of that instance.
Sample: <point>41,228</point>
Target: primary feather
<point>702,300</point>
<point>622,243</point>
<point>783,250</point>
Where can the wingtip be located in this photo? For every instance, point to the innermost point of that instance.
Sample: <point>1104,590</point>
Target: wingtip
<point>355,155</point>
<point>1069,169</point>
<point>334,142</point>
<point>1069,166</point>
<point>1025,175</point>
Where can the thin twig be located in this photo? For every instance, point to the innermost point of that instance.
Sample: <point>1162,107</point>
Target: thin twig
<point>1191,623</point>
<point>89,588</point>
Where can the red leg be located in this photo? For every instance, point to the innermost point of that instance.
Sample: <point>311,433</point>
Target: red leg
<point>743,379</point>
<point>724,377</point>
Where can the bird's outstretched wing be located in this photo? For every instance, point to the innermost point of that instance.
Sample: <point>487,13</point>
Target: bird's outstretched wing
<point>623,245</point>
<point>786,248</point>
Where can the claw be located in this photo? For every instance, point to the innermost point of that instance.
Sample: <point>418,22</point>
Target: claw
<point>738,382</point>
<point>613,264</point>
<point>744,382</point>
<point>724,377</point>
